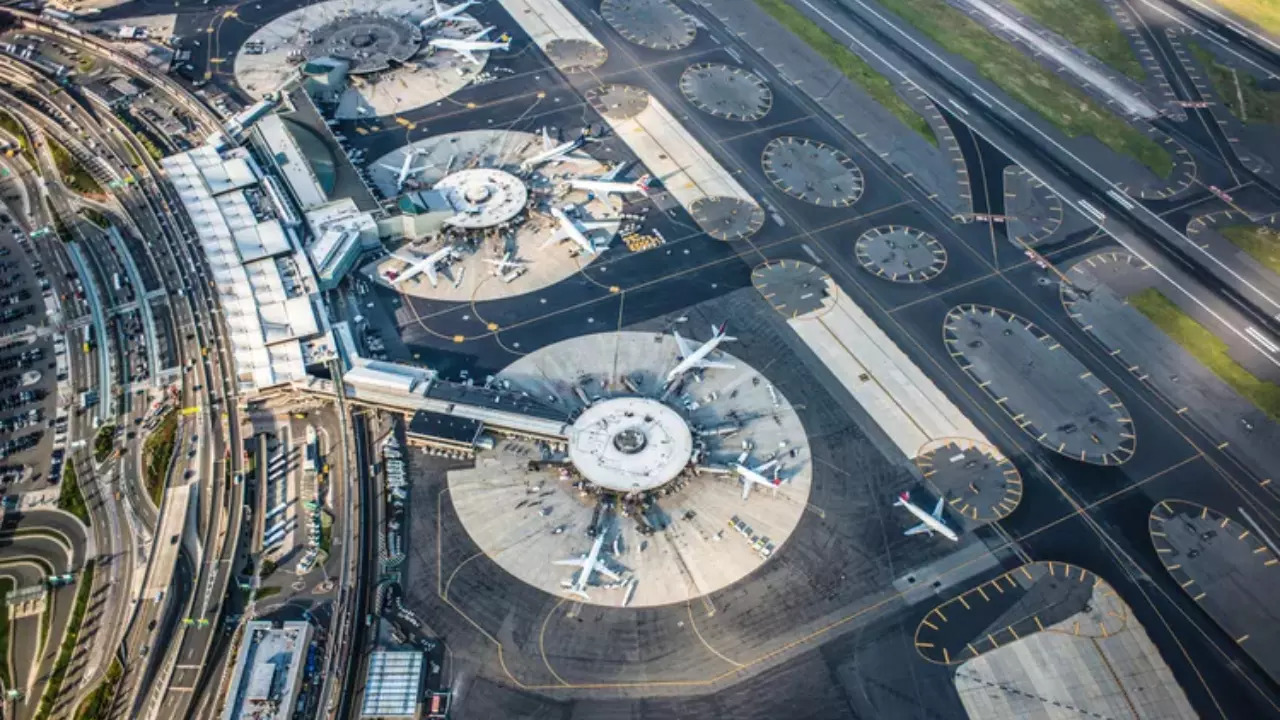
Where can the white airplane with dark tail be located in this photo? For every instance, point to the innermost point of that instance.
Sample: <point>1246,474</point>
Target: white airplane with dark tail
<point>751,476</point>
<point>443,13</point>
<point>929,522</point>
<point>608,183</point>
<point>406,170</point>
<point>587,565</point>
<point>472,43</point>
<point>576,230</point>
<point>564,152</point>
<point>419,265</point>
<point>696,359</point>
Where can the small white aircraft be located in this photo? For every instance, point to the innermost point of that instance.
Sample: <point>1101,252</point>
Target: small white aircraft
<point>588,565</point>
<point>552,153</point>
<point>472,43</point>
<point>691,359</point>
<point>443,13</point>
<point>608,184</point>
<point>406,170</point>
<point>419,265</point>
<point>507,263</point>
<point>576,230</point>
<point>755,475</point>
<point>929,522</point>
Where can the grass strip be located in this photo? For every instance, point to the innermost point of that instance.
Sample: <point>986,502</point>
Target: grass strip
<point>849,64</point>
<point>53,690</point>
<point>1260,242</point>
<point>1025,80</point>
<point>1207,348</point>
<point>265,592</point>
<point>11,125</point>
<point>1239,91</point>
<point>1263,13</point>
<point>1087,25</point>
<point>97,704</point>
<point>156,452</point>
<point>104,442</point>
<point>6,585</point>
<point>75,174</point>
<point>69,496</point>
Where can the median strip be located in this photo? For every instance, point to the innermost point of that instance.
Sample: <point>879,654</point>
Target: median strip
<point>53,691</point>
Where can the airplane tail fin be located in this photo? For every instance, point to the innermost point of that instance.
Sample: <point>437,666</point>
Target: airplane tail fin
<point>643,182</point>
<point>903,498</point>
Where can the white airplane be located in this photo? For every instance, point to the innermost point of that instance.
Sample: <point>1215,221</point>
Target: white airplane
<point>588,564</point>
<point>754,475</point>
<point>472,43</point>
<point>691,359</point>
<point>406,169</point>
<point>552,153</point>
<point>608,184</point>
<point>443,13</point>
<point>929,522</point>
<point>419,265</point>
<point>576,231</point>
<point>506,264</point>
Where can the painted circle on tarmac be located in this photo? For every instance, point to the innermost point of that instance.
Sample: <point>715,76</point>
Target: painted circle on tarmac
<point>901,254</point>
<point>725,91</point>
<point>812,171</point>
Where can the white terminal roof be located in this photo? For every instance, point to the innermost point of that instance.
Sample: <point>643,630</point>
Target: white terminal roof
<point>264,295</point>
<point>336,226</point>
<point>268,671</point>
<point>292,163</point>
<point>483,197</point>
<point>630,444</point>
<point>393,685</point>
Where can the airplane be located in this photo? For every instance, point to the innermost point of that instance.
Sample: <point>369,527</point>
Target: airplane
<point>929,522</point>
<point>421,265</point>
<point>405,171</point>
<point>576,230</point>
<point>506,264</point>
<point>691,359</point>
<point>443,13</point>
<point>608,183</point>
<point>753,475</point>
<point>588,564</point>
<point>552,153</point>
<point>471,43</point>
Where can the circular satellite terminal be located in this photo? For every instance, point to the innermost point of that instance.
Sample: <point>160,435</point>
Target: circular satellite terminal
<point>574,55</point>
<point>980,484</point>
<point>630,444</point>
<point>483,197</point>
<point>618,102</point>
<point>900,253</point>
<point>624,470</point>
<point>812,171</point>
<point>793,287</point>
<point>368,42</point>
<point>727,218</point>
<point>726,91</point>
<point>656,24</point>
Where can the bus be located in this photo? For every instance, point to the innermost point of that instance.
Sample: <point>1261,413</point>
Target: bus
<point>88,339</point>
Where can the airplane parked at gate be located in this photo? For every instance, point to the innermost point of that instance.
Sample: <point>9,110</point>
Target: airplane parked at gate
<point>608,184</point>
<point>443,13</point>
<point>472,43</point>
<point>691,359</point>
<point>405,172</point>
<point>929,522</point>
<point>755,475</point>
<point>419,265</point>
<point>576,230</point>
<point>552,153</point>
<point>588,564</point>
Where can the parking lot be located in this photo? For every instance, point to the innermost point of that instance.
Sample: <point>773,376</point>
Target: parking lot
<point>30,367</point>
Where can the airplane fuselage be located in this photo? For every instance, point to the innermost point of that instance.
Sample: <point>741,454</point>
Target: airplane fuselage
<point>929,521</point>
<point>694,358</point>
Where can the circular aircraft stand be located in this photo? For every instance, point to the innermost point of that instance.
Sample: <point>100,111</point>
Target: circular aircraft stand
<point>367,41</point>
<point>573,55</point>
<point>725,91</point>
<point>727,218</point>
<point>979,483</point>
<point>655,24</point>
<point>900,253</point>
<point>792,287</point>
<point>812,171</point>
<point>618,102</point>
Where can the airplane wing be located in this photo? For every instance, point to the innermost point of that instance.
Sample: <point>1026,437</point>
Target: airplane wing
<point>392,168</point>
<point>467,54</point>
<point>430,270</point>
<point>546,139</point>
<point>600,568</point>
<point>615,172</point>
<point>682,344</point>
<point>937,510</point>
<point>921,528</point>
<point>764,466</point>
<point>746,487</point>
<point>570,562</point>
<point>715,364</point>
<point>479,34</point>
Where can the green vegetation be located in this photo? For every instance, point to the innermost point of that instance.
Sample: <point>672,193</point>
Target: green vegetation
<point>73,173</point>
<point>104,442</point>
<point>326,531</point>
<point>1088,26</point>
<point>266,568</point>
<point>263,593</point>
<point>97,703</point>
<point>852,66</point>
<point>1263,13</point>
<point>156,451</point>
<point>1261,242</point>
<point>96,217</point>
<point>69,497</point>
<point>85,65</point>
<point>1207,348</point>
<point>6,585</point>
<point>10,124</point>
<point>1239,91</point>
<point>1026,81</point>
<point>53,690</point>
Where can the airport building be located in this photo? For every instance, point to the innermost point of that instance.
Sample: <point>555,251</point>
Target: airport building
<point>269,671</point>
<point>393,685</point>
